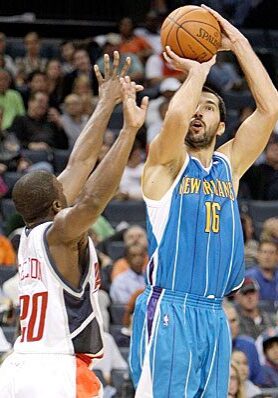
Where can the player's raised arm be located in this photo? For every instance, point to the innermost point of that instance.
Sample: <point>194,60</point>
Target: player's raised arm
<point>169,147</point>
<point>86,149</point>
<point>70,224</point>
<point>252,136</point>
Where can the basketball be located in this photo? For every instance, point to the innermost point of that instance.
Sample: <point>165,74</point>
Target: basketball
<point>191,32</point>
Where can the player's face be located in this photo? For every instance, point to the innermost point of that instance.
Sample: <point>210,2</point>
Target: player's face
<point>205,123</point>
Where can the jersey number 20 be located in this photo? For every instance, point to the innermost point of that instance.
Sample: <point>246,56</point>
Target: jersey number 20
<point>33,307</point>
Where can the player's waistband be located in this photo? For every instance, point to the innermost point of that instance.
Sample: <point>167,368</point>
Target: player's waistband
<point>188,299</point>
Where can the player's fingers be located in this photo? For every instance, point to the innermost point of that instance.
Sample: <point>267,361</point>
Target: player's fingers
<point>98,75</point>
<point>171,54</point>
<point>167,58</point>
<point>124,86</point>
<point>144,103</point>
<point>106,66</point>
<point>213,12</point>
<point>126,66</point>
<point>116,62</point>
<point>139,87</point>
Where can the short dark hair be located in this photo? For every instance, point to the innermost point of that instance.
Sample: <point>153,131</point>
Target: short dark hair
<point>222,107</point>
<point>35,73</point>
<point>34,194</point>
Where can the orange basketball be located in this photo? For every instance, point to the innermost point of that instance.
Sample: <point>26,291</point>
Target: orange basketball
<point>191,32</point>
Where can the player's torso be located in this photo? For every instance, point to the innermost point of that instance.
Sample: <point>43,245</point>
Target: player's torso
<point>55,317</point>
<point>195,236</point>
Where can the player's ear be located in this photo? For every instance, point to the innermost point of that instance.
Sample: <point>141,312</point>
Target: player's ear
<point>57,206</point>
<point>221,129</point>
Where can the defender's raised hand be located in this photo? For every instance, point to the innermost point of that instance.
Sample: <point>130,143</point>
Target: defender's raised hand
<point>134,115</point>
<point>230,34</point>
<point>109,83</point>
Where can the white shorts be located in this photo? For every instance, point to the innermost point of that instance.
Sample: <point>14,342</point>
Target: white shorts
<point>47,375</point>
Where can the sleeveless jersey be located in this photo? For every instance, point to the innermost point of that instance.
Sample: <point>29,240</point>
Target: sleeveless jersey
<point>194,232</point>
<point>54,316</point>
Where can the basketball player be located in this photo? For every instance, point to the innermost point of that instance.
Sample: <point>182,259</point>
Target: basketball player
<point>59,279</point>
<point>181,340</point>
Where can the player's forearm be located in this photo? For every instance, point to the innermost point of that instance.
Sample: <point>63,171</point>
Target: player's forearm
<point>88,144</point>
<point>185,101</point>
<point>259,82</point>
<point>102,184</point>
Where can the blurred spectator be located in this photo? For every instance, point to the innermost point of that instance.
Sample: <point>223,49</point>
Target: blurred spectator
<point>125,284</point>
<point>134,234</point>
<point>36,81</point>
<point>250,244</point>
<point>249,388</point>
<point>10,100</point>
<point>157,69</point>
<point>244,343</point>
<point>9,64</point>
<point>266,274</point>
<point>67,50</point>
<point>270,230</point>
<point>40,129</point>
<point>123,337</point>
<point>72,119</point>
<point>252,320</point>
<point>111,360</point>
<point>223,75</point>
<point>112,43</point>
<point>82,87</point>
<point>167,89</point>
<point>131,43</point>
<point>262,179</point>
<point>7,253</point>
<point>102,228</point>
<point>155,127</point>
<point>270,349</point>
<point>236,388</point>
<point>5,346</point>
<point>9,147</point>
<point>150,31</point>
<point>82,67</point>
<point>55,76</point>
<point>32,59</point>
<point>130,185</point>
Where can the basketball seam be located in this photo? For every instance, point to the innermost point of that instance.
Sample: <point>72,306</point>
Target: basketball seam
<point>196,39</point>
<point>203,23</point>
<point>177,40</point>
<point>166,40</point>
<point>183,15</point>
<point>176,20</point>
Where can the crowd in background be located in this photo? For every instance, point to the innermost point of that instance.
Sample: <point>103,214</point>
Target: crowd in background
<point>45,102</point>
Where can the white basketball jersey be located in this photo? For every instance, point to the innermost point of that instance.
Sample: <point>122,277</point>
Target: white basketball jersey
<point>55,317</point>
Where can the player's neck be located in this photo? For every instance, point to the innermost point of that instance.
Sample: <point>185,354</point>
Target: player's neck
<point>204,155</point>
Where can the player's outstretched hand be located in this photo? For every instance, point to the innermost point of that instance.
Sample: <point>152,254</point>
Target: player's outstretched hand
<point>134,115</point>
<point>230,34</point>
<point>185,64</point>
<point>109,82</point>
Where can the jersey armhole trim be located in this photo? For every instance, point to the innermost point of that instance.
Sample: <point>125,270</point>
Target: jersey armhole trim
<point>160,202</point>
<point>66,285</point>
